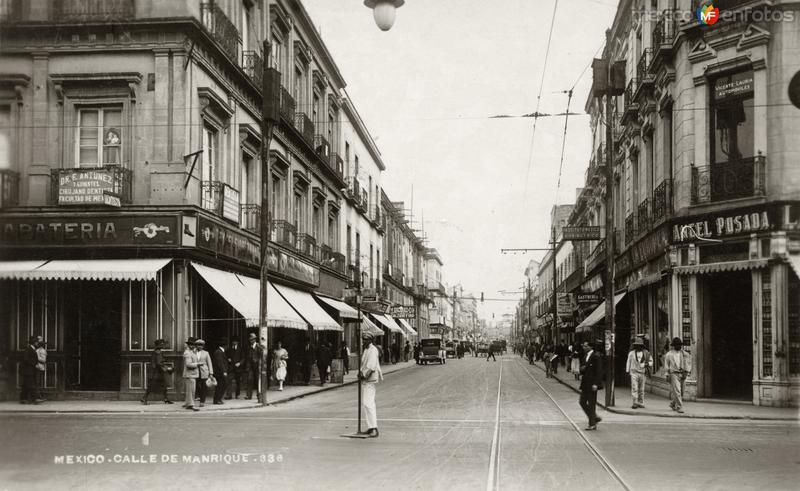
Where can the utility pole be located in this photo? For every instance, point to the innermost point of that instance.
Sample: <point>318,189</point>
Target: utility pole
<point>270,88</point>
<point>554,328</point>
<point>609,204</point>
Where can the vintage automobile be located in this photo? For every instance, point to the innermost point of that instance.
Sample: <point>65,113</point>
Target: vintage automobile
<point>432,351</point>
<point>450,349</point>
<point>483,348</point>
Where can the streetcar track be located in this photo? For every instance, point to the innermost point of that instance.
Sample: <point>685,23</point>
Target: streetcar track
<point>604,463</point>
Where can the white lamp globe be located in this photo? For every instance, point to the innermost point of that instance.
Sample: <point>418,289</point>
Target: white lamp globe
<point>384,11</point>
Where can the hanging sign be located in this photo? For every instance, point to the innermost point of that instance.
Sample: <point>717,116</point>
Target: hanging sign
<point>581,233</point>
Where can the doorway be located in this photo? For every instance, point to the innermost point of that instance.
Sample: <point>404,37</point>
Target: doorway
<point>731,309</point>
<point>100,335</point>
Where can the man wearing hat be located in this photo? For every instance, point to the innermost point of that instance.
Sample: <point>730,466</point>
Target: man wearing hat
<point>252,363</point>
<point>158,372</point>
<point>678,365</point>
<point>220,365</point>
<point>370,374</point>
<point>592,381</point>
<point>638,366</point>
<point>190,373</point>
<point>205,368</point>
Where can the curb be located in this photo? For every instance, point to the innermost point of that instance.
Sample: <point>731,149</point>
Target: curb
<point>212,409</point>
<point>675,415</point>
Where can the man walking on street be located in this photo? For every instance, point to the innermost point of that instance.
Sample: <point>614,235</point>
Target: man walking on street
<point>190,374</point>
<point>490,352</point>
<point>591,382</point>
<point>252,365</point>
<point>678,365</point>
<point>236,367</point>
<point>221,368</point>
<point>638,366</point>
<point>323,362</point>
<point>370,374</point>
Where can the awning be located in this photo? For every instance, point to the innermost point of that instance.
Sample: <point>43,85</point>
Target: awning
<point>83,269</point>
<point>722,267</point>
<point>645,281</point>
<point>309,309</point>
<point>242,293</point>
<point>369,326</point>
<point>598,315</point>
<point>387,322</point>
<point>794,260</point>
<point>345,311</point>
<point>408,327</point>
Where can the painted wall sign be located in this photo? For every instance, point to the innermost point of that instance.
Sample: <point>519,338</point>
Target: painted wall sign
<point>730,223</point>
<point>581,233</point>
<point>88,230</point>
<point>89,187</point>
<point>733,86</point>
<point>230,204</point>
<point>652,245</point>
<point>588,298</point>
<point>403,312</point>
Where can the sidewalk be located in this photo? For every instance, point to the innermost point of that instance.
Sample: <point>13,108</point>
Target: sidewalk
<point>289,393</point>
<point>659,406</point>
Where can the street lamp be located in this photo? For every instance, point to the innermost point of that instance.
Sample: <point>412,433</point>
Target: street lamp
<point>384,11</point>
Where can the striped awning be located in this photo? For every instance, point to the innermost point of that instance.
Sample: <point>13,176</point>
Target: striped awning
<point>794,260</point>
<point>370,327</point>
<point>309,309</point>
<point>388,322</point>
<point>345,311</point>
<point>722,267</point>
<point>83,269</point>
<point>407,326</point>
<point>597,315</point>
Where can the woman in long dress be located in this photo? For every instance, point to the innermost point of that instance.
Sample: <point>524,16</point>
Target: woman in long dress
<point>279,357</point>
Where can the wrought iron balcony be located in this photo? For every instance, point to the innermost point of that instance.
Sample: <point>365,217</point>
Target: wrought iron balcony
<point>643,216</point>
<point>643,75</point>
<point>93,10</point>
<point>307,246</point>
<point>630,228</point>
<point>322,147</point>
<point>253,66</point>
<point>250,217</point>
<point>91,185</point>
<point>287,106</point>
<point>742,178</point>
<point>596,257</point>
<point>617,130</point>
<point>662,201</point>
<point>284,233</point>
<point>363,202</point>
<point>339,263</point>
<point>664,34</point>
<point>211,196</point>
<point>304,125</point>
<point>9,189</point>
<point>631,107</point>
<point>375,215</point>
<point>336,163</point>
<point>220,28</point>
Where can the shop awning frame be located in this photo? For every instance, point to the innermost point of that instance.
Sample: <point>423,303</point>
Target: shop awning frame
<point>83,269</point>
<point>597,315</point>
<point>794,262</point>
<point>369,326</point>
<point>722,267</point>
<point>387,322</point>
<point>345,311</point>
<point>309,309</point>
<point>407,326</point>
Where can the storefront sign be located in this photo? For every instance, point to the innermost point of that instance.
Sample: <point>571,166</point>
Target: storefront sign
<point>403,312</point>
<point>88,231</point>
<point>230,204</point>
<point>292,267</point>
<point>565,305</point>
<point>227,241</point>
<point>376,307</point>
<point>588,298</point>
<point>581,233</point>
<point>623,263</point>
<point>89,187</point>
<point>734,86</point>
<point>653,245</point>
<point>728,224</point>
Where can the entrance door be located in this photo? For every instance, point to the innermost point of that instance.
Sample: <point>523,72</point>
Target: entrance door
<point>100,335</point>
<point>731,314</point>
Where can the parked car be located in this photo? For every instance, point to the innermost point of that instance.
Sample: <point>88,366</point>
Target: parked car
<point>483,348</point>
<point>432,351</point>
<point>450,349</point>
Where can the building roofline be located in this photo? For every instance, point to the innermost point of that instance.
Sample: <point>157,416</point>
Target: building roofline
<point>310,30</point>
<point>358,123</point>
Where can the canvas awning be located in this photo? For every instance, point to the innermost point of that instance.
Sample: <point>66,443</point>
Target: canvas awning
<point>242,293</point>
<point>83,269</point>
<point>597,315</point>
<point>407,326</point>
<point>309,309</point>
<point>369,326</point>
<point>722,267</point>
<point>387,322</point>
<point>794,260</point>
<point>345,311</point>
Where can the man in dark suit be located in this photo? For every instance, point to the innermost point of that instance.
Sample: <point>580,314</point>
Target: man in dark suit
<point>235,366</point>
<point>30,392</point>
<point>592,381</point>
<point>219,361</point>
<point>253,364</point>
<point>308,361</point>
<point>323,362</point>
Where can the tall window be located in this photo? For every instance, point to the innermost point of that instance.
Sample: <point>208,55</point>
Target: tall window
<point>209,169</point>
<point>316,222</point>
<point>300,211</point>
<point>349,245</point>
<point>245,27</point>
<point>315,112</point>
<point>358,249</point>
<point>99,136</point>
<point>356,173</point>
<point>247,175</point>
<point>371,271</point>
<point>5,137</point>
<point>732,118</point>
<point>276,198</point>
<point>299,88</point>
<point>347,158</point>
<point>333,232</point>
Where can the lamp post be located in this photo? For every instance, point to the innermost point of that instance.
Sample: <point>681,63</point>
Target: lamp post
<point>384,11</point>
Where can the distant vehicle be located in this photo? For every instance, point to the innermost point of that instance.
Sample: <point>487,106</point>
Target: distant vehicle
<point>483,348</point>
<point>450,349</point>
<point>497,347</point>
<point>467,345</point>
<point>432,351</point>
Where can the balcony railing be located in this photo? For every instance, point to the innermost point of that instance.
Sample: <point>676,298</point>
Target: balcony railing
<point>376,215</point>
<point>307,246</point>
<point>90,185</point>
<point>742,178</point>
<point>287,106</point>
<point>336,163</point>
<point>630,228</point>
<point>363,202</point>
<point>93,10</point>
<point>643,216</point>
<point>220,27</point>
<point>596,257</point>
<point>631,108</point>
<point>251,218</point>
<point>284,233</point>
<point>662,201</point>
<point>339,262</point>
<point>211,196</point>
<point>322,147</point>
<point>664,34</point>
<point>304,125</point>
<point>253,66</point>
<point>617,130</point>
<point>9,189</point>
<point>643,68</point>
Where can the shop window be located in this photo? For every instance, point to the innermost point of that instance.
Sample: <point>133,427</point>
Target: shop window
<point>794,325</point>
<point>37,313</point>
<point>5,137</point>
<point>99,136</point>
<point>732,118</point>
<point>662,323</point>
<point>151,311</point>
<point>766,323</point>
<point>686,312</point>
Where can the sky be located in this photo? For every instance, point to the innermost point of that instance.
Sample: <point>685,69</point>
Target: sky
<point>427,89</point>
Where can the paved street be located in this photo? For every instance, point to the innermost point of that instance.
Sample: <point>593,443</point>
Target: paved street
<point>442,427</point>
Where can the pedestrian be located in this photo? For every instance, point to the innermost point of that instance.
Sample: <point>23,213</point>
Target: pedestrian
<point>591,382</point>
<point>190,373</point>
<point>554,358</point>
<point>548,366</point>
<point>370,374</point>
<point>206,371</point>
<point>490,352</point>
<point>395,353</point>
<point>236,367</point>
<point>387,355</point>
<point>678,365</point>
<point>406,351</point>
<point>323,362</point>
<point>221,367</point>
<point>41,366</point>
<point>575,360</point>
<point>308,361</point>
<point>638,366</point>
<point>279,357</point>
<point>29,393</point>
<point>157,381</point>
<point>417,349</point>
<point>252,362</point>
<point>345,353</point>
